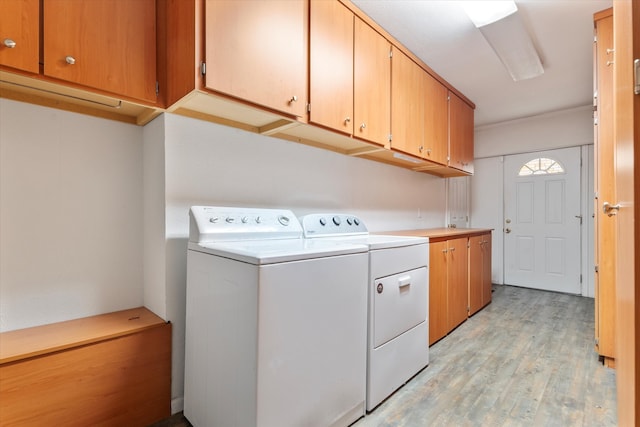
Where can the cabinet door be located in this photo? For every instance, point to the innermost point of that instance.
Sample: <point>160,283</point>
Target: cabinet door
<point>460,134</point>
<point>257,51</point>
<point>604,177</point>
<point>331,65</point>
<point>437,291</point>
<point>457,283</point>
<point>20,34</point>
<point>436,121</point>
<point>372,85</point>
<point>108,45</point>
<point>486,269</point>
<point>476,264</point>
<point>407,104</point>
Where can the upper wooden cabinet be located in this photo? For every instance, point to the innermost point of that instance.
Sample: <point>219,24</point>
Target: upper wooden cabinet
<point>372,85</point>
<point>331,65</point>
<point>460,134</point>
<point>108,45</point>
<point>257,51</point>
<point>407,105</point>
<point>20,34</point>
<point>350,74</point>
<point>435,121</point>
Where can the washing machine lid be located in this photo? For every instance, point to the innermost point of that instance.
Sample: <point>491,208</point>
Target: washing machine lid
<point>262,252</point>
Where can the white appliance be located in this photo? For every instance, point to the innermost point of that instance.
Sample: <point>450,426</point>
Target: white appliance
<point>398,327</point>
<point>275,324</point>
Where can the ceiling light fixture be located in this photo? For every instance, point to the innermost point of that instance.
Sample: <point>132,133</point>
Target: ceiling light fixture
<point>502,27</point>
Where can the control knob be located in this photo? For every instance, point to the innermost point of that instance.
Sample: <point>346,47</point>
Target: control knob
<point>323,221</point>
<point>336,220</point>
<point>284,220</point>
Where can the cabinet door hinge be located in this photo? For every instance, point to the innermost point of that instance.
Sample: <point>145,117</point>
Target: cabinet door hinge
<point>390,137</point>
<point>390,53</point>
<point>203,68</point>
<point>595,268</point>
<point>157,88</point>
<point>308,107</point>
<point>581,278</point>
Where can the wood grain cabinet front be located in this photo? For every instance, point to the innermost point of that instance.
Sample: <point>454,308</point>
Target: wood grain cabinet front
<point>436,122</point>
<point>109,45</point>
<point>20,34</point>
<point>448,292</point>
<point>331,65</point>
<point>479,272</point>
<point>372,85</point>
<point>605,189</point>
<point>460,134</point>
<point>257,51</point>
<point>350,74</point>
<point>407,105</point>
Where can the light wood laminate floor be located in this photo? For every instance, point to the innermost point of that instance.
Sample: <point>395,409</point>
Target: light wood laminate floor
<point>527,359</point>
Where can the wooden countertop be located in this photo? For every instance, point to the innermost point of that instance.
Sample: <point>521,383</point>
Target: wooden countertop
<point>439,233</point>
<point>30,342</point>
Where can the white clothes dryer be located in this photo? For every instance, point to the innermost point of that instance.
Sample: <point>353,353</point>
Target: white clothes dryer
<point>398,318</point>
<point>275,324</point>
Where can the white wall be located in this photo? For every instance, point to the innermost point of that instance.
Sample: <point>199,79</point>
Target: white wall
<point>568,128</point>
<point>70,215</point>
<point>560,129</point>
<point>487,208</point>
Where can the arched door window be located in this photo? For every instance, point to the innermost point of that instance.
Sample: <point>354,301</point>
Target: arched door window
<point>541,166</point>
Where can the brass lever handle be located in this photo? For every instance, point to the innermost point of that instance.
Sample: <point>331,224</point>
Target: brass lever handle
<point>610,209</point>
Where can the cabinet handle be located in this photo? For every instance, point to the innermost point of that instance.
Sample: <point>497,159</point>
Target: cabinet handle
<point>347,120</point>
<point>70,60</point>
<point>452,249</point>
<point>428,151</point>
<point>421,148</point>
<point>363,126</point>
<point>291,101</point>
<point>9,43</point>
<point>444,251</point>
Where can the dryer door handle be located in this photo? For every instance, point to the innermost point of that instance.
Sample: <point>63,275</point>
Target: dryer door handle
<point>404,281</point>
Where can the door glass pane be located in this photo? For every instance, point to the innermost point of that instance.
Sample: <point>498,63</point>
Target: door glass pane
<point>541,166</point>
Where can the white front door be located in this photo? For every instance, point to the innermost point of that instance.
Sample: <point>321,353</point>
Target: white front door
<point>542,215</point>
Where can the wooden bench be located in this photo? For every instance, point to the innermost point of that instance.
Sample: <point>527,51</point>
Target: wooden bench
<point>110,370</point>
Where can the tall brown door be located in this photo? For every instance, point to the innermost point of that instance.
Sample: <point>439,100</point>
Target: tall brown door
<point>626,27</point>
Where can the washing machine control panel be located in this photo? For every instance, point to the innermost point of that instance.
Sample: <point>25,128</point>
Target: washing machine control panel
<point>332,224</point>
<point>214,223</point>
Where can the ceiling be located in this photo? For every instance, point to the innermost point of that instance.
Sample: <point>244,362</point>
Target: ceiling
<point>441,34</point>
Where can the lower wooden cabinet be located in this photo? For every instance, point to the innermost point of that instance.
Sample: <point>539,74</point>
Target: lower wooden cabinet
<point>479,272</point>
<point>448,286</point>
<point>459,279</point>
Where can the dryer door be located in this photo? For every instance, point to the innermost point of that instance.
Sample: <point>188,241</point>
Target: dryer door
<point>400,302</point>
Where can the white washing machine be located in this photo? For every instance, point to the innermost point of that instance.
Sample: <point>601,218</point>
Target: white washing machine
<point>275,324</point>
<point>398,318</point>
